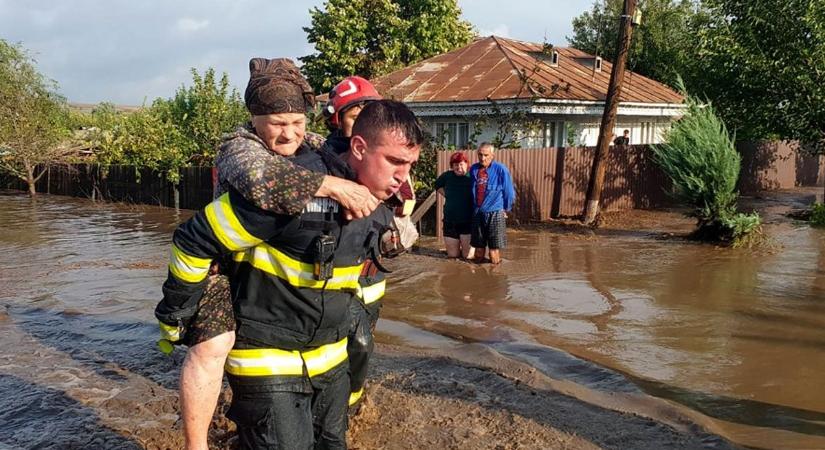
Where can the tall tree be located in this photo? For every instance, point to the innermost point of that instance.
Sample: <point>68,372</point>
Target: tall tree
<point>662,45</point>
<point>763,66</point>
<point>31,115</point>
<point>371,38</point>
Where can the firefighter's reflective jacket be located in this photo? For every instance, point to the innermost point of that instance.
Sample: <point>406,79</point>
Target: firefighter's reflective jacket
<point>291,302</point>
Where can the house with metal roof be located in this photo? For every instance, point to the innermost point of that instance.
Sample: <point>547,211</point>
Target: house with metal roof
<point>527,95</point>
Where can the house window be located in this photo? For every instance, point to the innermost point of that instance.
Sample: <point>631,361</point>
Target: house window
<point>647,133</point>
<point>453,134</point>
<point>552,135</point>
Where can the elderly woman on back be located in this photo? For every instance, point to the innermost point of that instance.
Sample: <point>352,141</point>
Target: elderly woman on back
<point>251,162</point>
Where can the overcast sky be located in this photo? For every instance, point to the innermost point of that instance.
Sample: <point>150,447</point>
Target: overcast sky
<point>128,52</point>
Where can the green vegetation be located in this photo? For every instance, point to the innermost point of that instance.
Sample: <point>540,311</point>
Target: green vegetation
<point>761,63</point>
<point>661,47</point>
<point>32,117</point>
<point>765,87</point>
<point>818,215</point>
<point>699,157</point>
<point>374,37</point>
<point>171,133</point>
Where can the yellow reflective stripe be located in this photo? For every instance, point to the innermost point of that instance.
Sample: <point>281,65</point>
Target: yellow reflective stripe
<point>227,227</point>
<point>325,357</point>
<point>264,361</point>
<point>186,267</point>
<point>298,273</point>
<point>355,396</point>
<point>372,293</point>
<point>169,332</point>
<point>270,361</point>
<point>407,207</point>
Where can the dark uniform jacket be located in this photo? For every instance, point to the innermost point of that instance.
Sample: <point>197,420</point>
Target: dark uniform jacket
<point>279,302</point>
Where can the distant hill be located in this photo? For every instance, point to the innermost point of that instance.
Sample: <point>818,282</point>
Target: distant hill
<point>88,107</point>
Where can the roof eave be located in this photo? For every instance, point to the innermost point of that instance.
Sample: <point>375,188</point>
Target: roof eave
<point>545,107</point>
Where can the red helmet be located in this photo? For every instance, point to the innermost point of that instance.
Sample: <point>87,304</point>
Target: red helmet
<point>350,91</point>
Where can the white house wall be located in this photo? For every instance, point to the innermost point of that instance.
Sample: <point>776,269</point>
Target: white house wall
<point>643,130</point>
<point>581,130</point>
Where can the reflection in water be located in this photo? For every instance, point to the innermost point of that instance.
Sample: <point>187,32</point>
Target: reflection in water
<point>735,335</point>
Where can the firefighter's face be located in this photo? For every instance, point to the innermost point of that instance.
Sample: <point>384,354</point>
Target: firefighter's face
<point>283,133</point>
<point>383,165</point>
<point>348,119</point>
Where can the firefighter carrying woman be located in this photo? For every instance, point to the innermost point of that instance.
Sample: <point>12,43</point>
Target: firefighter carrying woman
<point>294,261</point>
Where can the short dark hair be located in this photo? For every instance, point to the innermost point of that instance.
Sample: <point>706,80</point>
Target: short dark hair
<point>388,115</point>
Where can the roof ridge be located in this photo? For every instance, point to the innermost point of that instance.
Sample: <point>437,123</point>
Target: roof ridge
<point>435,74</point>
<point>431,57</point>
<point>510,60</point>
<point>465,49</point>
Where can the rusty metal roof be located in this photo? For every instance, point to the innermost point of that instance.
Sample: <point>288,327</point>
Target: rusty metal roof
<point>497,68</point>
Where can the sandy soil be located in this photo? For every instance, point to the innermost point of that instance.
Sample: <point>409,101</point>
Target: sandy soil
<point>422,399</point>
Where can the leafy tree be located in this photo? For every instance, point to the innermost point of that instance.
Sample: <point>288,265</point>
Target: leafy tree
<point>662,46</point>
<point>31,115</point>
<point>700,159</point>
<point>204,111</point>
<point>433,27</point>
<point>371,38</point>
<point>145,138</point>
<point>763,65</point>
<point>171,133</point>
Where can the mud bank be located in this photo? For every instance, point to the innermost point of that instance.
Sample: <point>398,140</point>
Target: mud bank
<point>424,399</point>
<point>427,400</point>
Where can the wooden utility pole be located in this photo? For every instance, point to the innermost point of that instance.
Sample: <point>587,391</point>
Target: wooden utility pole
<point>611,104</point>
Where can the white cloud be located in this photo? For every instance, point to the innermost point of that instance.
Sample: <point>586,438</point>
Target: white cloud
<point>501,30</point>
<point>190,25</point>
<point>135,50</point>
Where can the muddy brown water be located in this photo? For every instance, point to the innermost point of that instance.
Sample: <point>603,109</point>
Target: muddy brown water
<point>737,338</point>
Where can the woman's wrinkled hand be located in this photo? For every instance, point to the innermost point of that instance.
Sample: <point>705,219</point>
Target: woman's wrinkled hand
<point>357,200</point>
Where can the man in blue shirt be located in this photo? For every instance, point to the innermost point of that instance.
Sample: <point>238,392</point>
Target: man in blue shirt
<point>493,196</point>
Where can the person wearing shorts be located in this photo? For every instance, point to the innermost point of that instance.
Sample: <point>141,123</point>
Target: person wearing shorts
<point>493,197</point>
<point>456,187</point>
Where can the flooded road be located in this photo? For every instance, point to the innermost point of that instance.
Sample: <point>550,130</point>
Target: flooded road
<point>735,336</point>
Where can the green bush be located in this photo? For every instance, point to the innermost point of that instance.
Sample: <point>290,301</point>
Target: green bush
<point>171,133</point>
<point>699,157</point>
<point>818,215</point>
<point>425,170</point>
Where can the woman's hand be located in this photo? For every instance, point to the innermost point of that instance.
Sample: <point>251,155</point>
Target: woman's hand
<point>357,200</point>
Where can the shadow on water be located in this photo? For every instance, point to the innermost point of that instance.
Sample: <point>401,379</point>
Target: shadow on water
<point>564,366</point>
<point>28,413</point>
<point>102,345</point>
<point>742,411</point>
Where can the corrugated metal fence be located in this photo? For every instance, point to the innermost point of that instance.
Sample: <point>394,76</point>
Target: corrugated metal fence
<point>552,182</point>
<point>125,184</point>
